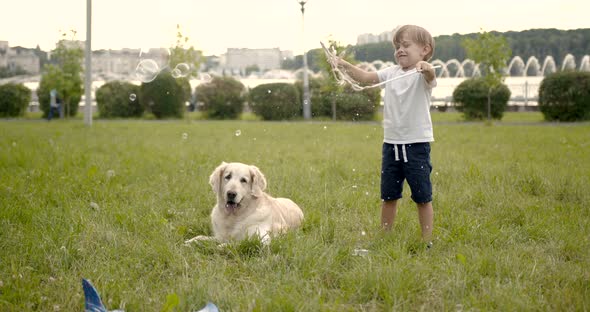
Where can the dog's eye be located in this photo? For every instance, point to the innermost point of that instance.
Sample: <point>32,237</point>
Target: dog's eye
<point>243,180</point>
<point>227,177</point>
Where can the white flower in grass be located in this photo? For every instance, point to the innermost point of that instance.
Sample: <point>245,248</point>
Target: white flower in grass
<point>94,206</point>
<point>185,136</point>
<point>110,173</point>
<point>238,132</point>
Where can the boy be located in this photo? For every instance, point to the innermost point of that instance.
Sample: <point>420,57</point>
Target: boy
<point>407,126</point>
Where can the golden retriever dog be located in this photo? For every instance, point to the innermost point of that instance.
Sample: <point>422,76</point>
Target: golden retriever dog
<point>243,209</point>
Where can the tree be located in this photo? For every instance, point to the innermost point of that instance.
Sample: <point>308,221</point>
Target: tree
<point>65,76</point>
<point>332,87</point>
<point>337,99</point>
<point>189,56</point>
<point>491,53</point>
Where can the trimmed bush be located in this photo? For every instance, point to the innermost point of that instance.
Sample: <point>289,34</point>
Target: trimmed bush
<point>565,96</point>
<point>276,101</point>
<point>118,99</point>
<point>14,100</point>
<point>222,98</point>
<point>165,96</point>
<point>347,103</point>
<point>471,98</point>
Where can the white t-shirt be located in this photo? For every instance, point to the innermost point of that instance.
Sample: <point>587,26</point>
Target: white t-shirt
<point>406,111</point>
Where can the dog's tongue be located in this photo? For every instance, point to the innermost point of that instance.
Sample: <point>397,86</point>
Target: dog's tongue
<point>231,206</point>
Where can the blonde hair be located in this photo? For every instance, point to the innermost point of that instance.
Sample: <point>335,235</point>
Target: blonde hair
<point>416,34</point>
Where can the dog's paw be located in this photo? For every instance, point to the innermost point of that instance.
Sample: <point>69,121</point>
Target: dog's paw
<point>196,239</point>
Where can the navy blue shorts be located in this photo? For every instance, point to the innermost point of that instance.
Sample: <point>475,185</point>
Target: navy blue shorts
<point>414,165</point>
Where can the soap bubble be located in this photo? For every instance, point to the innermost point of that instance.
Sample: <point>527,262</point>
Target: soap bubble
<point>175,73</point>
<point>183,69</point>
<point>206,77</point>
<point>147,70</point>
<point>132,97</point>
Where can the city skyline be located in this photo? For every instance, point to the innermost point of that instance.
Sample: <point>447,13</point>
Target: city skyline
<point>216,26</point>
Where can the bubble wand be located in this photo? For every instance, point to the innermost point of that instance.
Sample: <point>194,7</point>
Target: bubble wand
<point>345,78</point>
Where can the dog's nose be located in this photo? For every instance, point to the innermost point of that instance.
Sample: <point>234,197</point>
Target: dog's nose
<point>231,195</point>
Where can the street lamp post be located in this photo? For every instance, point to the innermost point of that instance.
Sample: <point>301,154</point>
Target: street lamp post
<point>306,95</point>
<point>88,69</point>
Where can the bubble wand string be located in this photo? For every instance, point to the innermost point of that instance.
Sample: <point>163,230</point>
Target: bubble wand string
<point>344,78</point>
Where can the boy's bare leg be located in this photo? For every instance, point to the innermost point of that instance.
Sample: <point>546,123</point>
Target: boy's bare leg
<point>388,213</point>
<point>426,216</point>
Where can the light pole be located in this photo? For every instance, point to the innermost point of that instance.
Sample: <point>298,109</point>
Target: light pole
<point>88,65</point>
<point>306,97</point>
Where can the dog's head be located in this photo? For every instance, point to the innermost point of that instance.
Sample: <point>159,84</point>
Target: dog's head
<point>236,184</point>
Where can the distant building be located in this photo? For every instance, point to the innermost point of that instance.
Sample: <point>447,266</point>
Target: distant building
<point>386,36</point>
<point>3,51</point>
<point>108,63</point>
<point>22,58</point>
<point>236,60</point>
<point>121,64</point>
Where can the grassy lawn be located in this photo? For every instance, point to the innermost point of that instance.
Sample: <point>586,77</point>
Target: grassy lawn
<point>113,203</point>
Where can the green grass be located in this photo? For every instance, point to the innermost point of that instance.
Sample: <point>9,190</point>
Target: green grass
<point>511,218</point>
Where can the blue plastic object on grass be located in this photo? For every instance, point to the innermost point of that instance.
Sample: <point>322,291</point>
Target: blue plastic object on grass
<point>92,302</point>
<point>210,307</point>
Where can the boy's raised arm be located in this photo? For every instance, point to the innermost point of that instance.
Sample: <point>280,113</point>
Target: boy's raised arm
<point>359,75</point>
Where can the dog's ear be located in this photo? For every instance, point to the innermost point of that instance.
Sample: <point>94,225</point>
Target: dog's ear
<point>258,181</point>
<point>215,178</point>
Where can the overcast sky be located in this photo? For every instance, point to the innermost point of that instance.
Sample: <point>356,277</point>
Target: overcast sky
<point>214,26</point>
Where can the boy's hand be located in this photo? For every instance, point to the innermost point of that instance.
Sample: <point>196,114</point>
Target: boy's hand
<point>423,66</point>
<point>426,69</point>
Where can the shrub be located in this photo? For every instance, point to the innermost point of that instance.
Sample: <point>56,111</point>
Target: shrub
<point>565,96</point>
<point>275,101</point>
<point>165,96</point>
<point>222,98</point>
<point>471,98</point>
<point>347,103</point>
<point>14,100</point>
<point>118,99</point>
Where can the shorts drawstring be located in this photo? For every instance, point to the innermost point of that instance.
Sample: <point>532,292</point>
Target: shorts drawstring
<point>403,152</point>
